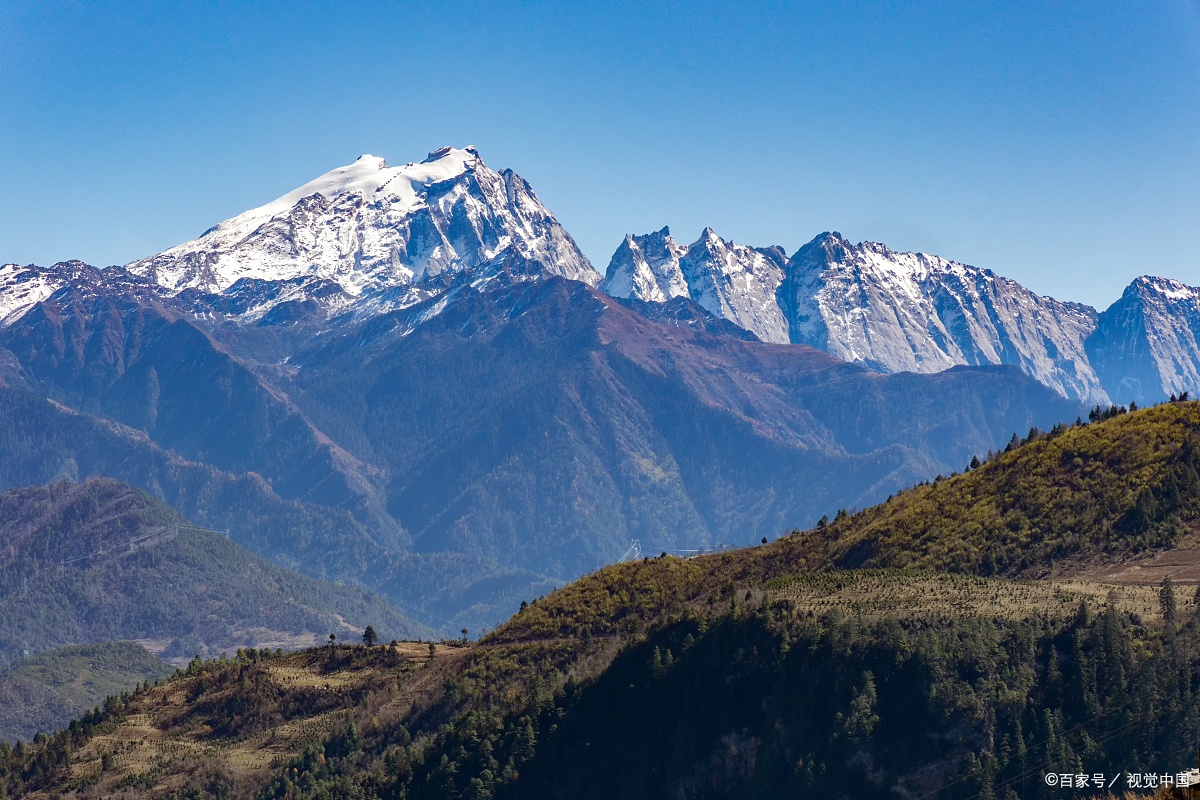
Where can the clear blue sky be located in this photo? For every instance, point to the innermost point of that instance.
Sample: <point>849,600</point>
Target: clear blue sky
<point>1055,143</point>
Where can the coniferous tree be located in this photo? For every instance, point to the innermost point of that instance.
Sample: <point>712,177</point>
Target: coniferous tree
<point>1166,602</point>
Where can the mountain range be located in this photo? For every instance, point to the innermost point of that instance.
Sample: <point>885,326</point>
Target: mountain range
<point>367,238</point>
<point>412,377</point>
<point>912,312</point>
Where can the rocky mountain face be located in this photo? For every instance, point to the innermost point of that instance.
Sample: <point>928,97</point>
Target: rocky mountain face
<point>1145,344</point>
<point>369,235</point>
<point>913,312</point>
<point>647,268</point>
<point>728,280</point>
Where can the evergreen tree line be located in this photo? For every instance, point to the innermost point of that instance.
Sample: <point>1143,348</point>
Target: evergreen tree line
<point>765,701</point>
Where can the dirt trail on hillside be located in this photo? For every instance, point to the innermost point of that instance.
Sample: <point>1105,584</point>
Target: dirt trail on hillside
<point>1181,563</point>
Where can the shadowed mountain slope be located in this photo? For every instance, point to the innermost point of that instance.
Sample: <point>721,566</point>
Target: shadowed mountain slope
<point>45,692</point>
<point>570,424</point>
<point>502,435</point>
<point>99,561</point>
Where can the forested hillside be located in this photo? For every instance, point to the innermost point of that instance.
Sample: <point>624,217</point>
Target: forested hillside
<point>765,672</point>
<point>45,692</point>
<point>99,561</point>
<point>1073,495</point>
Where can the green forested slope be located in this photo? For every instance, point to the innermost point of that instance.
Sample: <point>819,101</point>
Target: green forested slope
<point>45,692</point>
<point>1084,492</point>
<point>754,699</point>
<point>190,590</point>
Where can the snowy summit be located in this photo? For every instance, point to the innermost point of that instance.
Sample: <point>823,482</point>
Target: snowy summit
<point>369,228</point>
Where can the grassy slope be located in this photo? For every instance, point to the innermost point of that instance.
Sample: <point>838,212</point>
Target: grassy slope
<point>682,699</point>
<point>45,692</point>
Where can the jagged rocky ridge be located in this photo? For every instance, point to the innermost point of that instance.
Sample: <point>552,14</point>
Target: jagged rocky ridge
<point>912,312</point>
<point>1145,344</point>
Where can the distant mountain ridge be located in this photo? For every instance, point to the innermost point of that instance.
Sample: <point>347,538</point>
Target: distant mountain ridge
<point>486,442</point>
<point>913,312</point>
<point>98,561</point>
<point>366,239</point>
<point>1145,344</point>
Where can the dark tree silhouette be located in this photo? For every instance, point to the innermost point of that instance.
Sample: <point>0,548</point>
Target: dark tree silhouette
<point>370,637</point>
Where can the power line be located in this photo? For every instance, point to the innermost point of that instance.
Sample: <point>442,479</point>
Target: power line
<point>135,539</point>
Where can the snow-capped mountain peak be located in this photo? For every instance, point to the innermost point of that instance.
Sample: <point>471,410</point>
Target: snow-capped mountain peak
<point>646,268</point>
<point>370,229</point>
<point>1147,344</point>
<point>368,176</point>
<point>1167,287</point>
<point>21,288</point>
<point>726,279</point>
<point>914,312</point>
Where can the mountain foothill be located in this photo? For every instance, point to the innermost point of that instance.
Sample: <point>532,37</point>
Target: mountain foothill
<point>1033,616</point>
<point>410,379</point>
